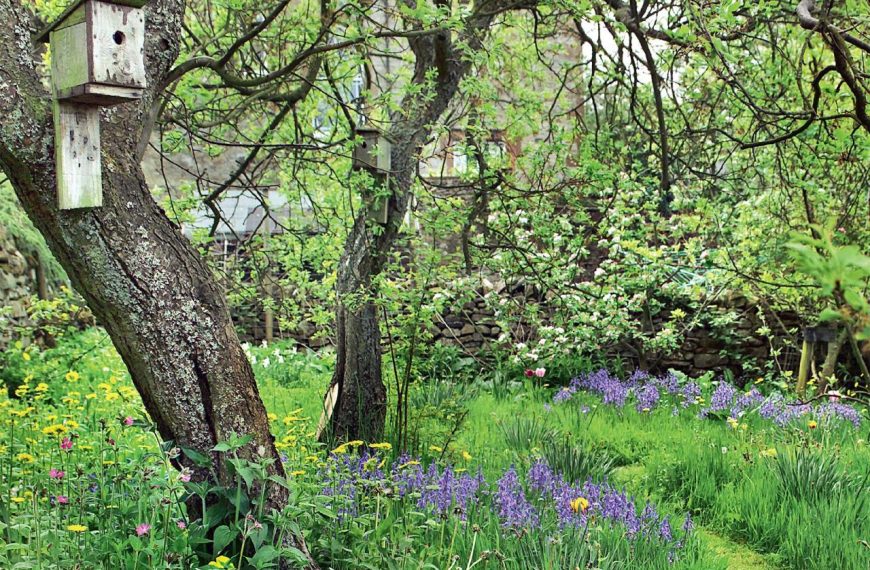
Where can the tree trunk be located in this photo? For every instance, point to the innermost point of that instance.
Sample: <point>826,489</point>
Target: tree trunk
<point>833,352</point>
<point>360,409</point>
<point>142,279</point>
<point>361,403</point>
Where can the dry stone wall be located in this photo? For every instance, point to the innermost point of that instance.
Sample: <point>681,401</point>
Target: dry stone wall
<point>17,284</point>
<point>472,327</point>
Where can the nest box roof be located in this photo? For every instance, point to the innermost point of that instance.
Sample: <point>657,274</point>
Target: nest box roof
<point>43,35</point>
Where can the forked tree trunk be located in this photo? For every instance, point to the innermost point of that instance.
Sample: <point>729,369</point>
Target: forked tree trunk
<point>360,408</point>
<point>142,279</point>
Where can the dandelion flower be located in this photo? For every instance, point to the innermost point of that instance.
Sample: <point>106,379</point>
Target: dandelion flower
<point>580,504</point>
<point>76,528</point>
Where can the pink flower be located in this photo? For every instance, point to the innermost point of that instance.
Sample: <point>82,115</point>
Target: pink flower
<point>143,529</point>
<point>62,500</point>
<point>539,372</point>
<point>128,421</point>
<point>529,373</point>
<point>66,444</point>
<point>184,476</point>
<point>181,524</point>
<point>56,474</point>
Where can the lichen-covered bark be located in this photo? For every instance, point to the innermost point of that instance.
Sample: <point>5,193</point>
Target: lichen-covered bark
<point>142,279</point>
<point>360,410</point>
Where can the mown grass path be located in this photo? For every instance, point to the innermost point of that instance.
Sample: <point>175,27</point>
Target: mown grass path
<point>738,556</point>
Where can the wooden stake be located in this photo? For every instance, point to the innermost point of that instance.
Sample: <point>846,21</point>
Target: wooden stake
<point>804,370</point>
<point>77,155</point>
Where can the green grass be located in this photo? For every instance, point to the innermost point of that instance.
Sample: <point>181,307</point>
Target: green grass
<point>804,507</point>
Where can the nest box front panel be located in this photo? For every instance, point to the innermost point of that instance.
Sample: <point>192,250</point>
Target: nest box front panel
<point>117,45</point>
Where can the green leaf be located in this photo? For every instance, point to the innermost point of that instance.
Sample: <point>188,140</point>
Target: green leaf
<point>223,536</point>
<point>264,558</point>
<point>198,458</point>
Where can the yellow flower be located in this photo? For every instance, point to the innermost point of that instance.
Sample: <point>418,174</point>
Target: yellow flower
<point>340,449</point>
<point>24,458</point>
<point>759,380</point>
<point>91,396</point>
<point>435,448</point>
<point>272,417</point>
<point>813,424</point>
<point>221,562</point>
<point>42,387</point>
<point>580,504</point>
<point>76,528</point>
<point>355,443</point>
<point>112,396</point>
<point>409,463</point>
<point>72,376</point>
<point>466,456</point>
<point>297,473</point>
<point>25,356</point>
<point>733,423</point>
<point>54,429</point>
<point>769,452</point>
<point>383,445</point>
<point>18,499</point>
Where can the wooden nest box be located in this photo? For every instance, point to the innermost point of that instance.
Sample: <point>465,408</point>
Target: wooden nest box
<point>373,153</point>
<point>97,59</point>
<point>98,51</point>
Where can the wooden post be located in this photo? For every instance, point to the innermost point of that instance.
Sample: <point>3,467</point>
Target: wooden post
<point>77,155</point>
<point>804,370</point>
<point>269,313</point>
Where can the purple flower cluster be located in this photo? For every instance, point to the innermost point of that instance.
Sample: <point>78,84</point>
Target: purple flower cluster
<point>647,397</point>
<point>610,388</point>
<point>601,502</point>
<point>551,504</point>
<point>349,478</point>
<point>514,509</point>
<point>649,391</point>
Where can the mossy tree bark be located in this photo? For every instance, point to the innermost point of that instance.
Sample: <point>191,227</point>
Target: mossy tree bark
<point>142,279</point>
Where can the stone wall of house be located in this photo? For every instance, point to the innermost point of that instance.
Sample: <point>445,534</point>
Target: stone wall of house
<point>17,283</point>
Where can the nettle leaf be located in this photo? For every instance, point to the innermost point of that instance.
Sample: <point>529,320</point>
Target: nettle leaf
<point>199,459</point>
<point>266,557</point>
<point>223,536</point>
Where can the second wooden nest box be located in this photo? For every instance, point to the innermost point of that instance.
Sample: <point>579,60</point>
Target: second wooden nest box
<point>98,51</point>
<point>373,153</point>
